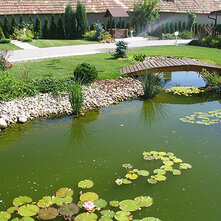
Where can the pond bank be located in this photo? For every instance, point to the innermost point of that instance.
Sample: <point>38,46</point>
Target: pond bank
<point>100,94</point>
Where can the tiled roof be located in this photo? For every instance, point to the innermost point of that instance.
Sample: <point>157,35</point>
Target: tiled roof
<point>100,6</point>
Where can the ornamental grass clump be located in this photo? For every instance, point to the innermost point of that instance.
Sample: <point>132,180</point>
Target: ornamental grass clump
<point>152,85</point>
<point>76,97</point>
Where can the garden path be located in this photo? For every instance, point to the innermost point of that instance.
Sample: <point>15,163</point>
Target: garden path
<point>23,45</point>
<point>33,54</point>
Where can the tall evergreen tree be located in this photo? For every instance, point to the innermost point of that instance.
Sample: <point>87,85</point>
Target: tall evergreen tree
<point>46,29</point>
<point>53,27</point>
<point>176,26</point>
<point>1,24</point>
<point>68,21</point>
<point>2,36</point>
<point>6,27</point>
<point>21,22</point>
<point>172,29</point>
<point>180,26</point>
<point>14,24</point>
<point>163,29</point>
<point>60,29</point>
<point>114,24</point>
<point>123,24</point>
<point>167,28</point>
<point>31,24</point>
<point>92,28</point>
<point>191,20</point>
<point>37,28</point>
<point>81,17</point>
<point>184,26</point>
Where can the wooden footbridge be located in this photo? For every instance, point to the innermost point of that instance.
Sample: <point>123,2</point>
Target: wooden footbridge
<point>159,65</point>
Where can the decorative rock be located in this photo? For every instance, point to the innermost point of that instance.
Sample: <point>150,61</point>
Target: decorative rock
<point>22,119</point>
<point>3,123</point>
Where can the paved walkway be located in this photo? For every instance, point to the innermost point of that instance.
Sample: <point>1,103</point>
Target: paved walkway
<point>32,54</point>
<point>23,45</point>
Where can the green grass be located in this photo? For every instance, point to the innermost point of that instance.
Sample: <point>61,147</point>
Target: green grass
<point>43,43</point>
<point>107,66</point>
<point>8,46</point>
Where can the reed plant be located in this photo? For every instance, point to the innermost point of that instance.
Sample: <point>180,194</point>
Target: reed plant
<point>76,97</point>
<point>152,84</point>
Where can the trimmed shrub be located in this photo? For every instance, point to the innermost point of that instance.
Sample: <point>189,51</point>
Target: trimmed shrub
<point>46,29</point>
<point>53,27</point>
<point>92,28</point>
<point>81,17</point>
<point>60,29</point>
<point>139,57</point>
<point>6,27</point>
<point>14,24</point>
<point>5,41</point>
<point>194,43</point>
<point>37,28</point>
<point>85,73</point>
<point>21,22</point>
<point>69,22</point>
<point>168,36</point>
<point>186,35</point>
<point>121,50</point>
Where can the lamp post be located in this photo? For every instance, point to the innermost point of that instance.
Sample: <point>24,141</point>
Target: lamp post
<point>176,34</point>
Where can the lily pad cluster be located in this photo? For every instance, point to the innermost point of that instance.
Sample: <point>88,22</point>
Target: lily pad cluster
<point>208,118</point>
<point>89,207</point>
<point>186,91</point>
<point>170,164</point>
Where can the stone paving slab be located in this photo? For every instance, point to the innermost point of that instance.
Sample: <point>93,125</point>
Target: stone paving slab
<point>23,45</point>
<point>34,54</point>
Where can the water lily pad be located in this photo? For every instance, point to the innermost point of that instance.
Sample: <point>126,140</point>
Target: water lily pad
<point>100,203</point>
<point>170,154</point>
<point>176,172</point>
<point>11,209</point>
<point>114,203</point>
<point>63,192</point>
<point>18,201</point>
<point>48,213</point>
<point>4,216</point>
<point>108,213</point>
<point>127,166</point>
<point>152,181</point>
<point>177,160</point>
<point>153,152</point>
<point>143,173</point>
<point>69,209</point>
<point>123,216</point>
<point>160,177</point>
<point>185,166</point>
<point>159,171</point>
<point>129,205</point>
<point>162,153</point>
<point>105,218</point>
<point>15,219</point>
<point>126,181</point>
<point>135,170</point>
<point>85,184</point>
<point>146,157</point>
<point>80,204</point>
<point>89,196</point>
<point>165,158</point>
<point>146,153</point>
<point>59,201</point>
<point>86,217</point>
<point>131,176</point>
<point>45,202</point>
<point>28,210</point>
<point>27,219</point>
<point>150,219</point>
<point>172,157</point>
<point>166,168</point>
<point>168,162</point>
<point>144,201</point>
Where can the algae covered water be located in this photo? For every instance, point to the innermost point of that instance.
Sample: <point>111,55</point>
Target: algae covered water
<point>41,156</point>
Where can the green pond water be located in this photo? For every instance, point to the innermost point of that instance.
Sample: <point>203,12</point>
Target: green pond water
<point>41,156</point>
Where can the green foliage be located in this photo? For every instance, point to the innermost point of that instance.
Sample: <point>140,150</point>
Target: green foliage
<point>60,30</point>
<point>176,26</point>
<point>167,28</point>
<point>139,57</point>
<point>121,49</point>
<point>22,35</point>
<point>114,24</point>
<point>37,28</point>
<point>180,28</point>
<point>195,29</point>
<point>4,64</point>
<point>2,36</point>
<point>108,24</point>
<point>211,78</point>
<point>6,27</point>
<point>168,36</point>
<point>46,29</point>
<point>186,91</point>
<point>14,24</point>
<point>184,27</point>
<point>191,20</point>
<point>163,29</point>
<point>21,22</point>
<point>53,27</point>
<point>128,25</point>
<point>118,24</point>
<point>76,97</point>
<point>92,28</point>
<point>5,41</point>
<point>172,28</point>
<point>81,17</point>
<point>104,26</point>
<point>145,12</point>
<point>1,24</point>
<point>85,73</point>
<point>69,22</point>
<point>186,35</point>
<point>151,85</point>
<point>31,23</point>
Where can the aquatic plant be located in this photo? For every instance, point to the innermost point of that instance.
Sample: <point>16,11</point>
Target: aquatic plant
<point>170,163</point>
<point>152,84</point>
<point>208,118</point>
<point>62,205</point>
<point>186,91</point>
<point>76,97</point>
<point>212,78</point>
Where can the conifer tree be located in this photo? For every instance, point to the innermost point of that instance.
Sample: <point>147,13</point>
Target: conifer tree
<point>31,24</point>
<point>68,21</point>
<point>53,27</point>
<point>172,29</point>
<point>46,29</point>
<point>114,24</point>
<point>60,29</point>
<point>167,28</point>
<point>1,25</point>
<point>14,24</point>
<point>2,36</point>
<point>180,26</point>
<point>104,26</point>
<point>92,27</point>
<point>6,27</point>
<point>163,29</point>
<point>176,26</point>
<point>81,17</point>
<point>21,22</point>
<point>123,24</point>
<point>184,26</point>
<point>37,28</point>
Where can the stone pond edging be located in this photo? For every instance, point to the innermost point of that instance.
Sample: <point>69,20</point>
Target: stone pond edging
<point>101,93</point>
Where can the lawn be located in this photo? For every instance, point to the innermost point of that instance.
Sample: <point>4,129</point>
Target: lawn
<point>107,66</point>
<point>8,46</point>
<point>43,43</point>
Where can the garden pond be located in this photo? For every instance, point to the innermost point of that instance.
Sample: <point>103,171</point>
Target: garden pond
<point>43,155</point>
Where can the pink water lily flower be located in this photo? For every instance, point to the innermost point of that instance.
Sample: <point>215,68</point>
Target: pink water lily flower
<point>89,205</point>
